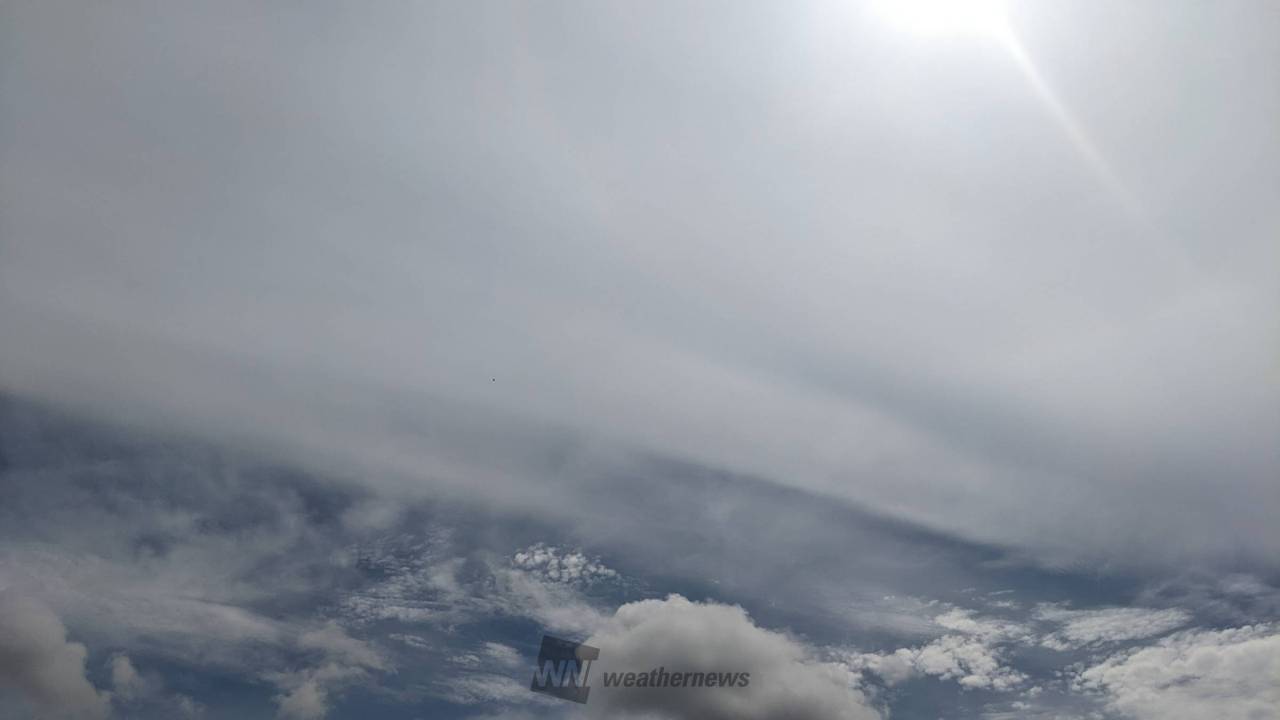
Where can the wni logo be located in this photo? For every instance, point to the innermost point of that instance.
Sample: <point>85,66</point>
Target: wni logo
<point>562,669</point>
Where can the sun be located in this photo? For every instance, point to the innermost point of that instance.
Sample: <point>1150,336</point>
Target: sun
<point>944,17</point>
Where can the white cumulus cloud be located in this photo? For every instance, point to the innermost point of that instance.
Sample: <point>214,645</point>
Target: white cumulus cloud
<point>787,678</point>
<point>1231,674</point>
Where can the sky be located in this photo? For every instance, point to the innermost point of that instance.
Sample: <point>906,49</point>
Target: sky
<point>924,363</point>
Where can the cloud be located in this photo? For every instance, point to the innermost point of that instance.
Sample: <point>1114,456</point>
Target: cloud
<point>306,699</point>
<point>1104,626</point>
<point>128,686</point>
<point>502,655</point>
<point>132,690</point>
<point>1231,674</point>
<point>970,653</point>
<point>479,687</point>
<point>422,580</point>
<point>974,663</point>
<point>38,661</point>
<point>972,649</point>
<point>491,654</point>
<point>338,660</point>
<point>560,565</point>
<point>787,679</point>
<point>305,693</point>
<point>988,629</point>
<point>336,644</point>
<point>125,680</point>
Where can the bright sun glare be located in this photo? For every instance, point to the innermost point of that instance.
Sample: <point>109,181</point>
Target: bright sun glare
<point>989,19</point>
<point>945,17</point>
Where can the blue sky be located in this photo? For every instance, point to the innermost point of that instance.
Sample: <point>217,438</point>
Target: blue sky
<point>925,363</point>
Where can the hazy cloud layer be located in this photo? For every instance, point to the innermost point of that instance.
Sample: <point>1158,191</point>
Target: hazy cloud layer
<point>434,243</point>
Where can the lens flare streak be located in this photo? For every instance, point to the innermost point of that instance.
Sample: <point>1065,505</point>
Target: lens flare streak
<point>1093,157</point>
